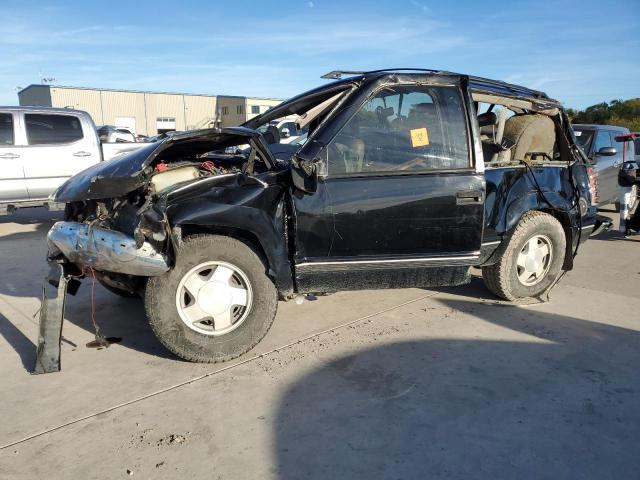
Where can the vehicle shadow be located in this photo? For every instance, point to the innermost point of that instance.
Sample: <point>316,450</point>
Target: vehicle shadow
<point>560,403</point>
<point>22,261</point>
<point>615,235</point>
<point>23,346</point>
<point>474,289</point>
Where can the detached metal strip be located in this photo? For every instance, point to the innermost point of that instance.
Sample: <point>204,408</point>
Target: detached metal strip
<point>51,315</point>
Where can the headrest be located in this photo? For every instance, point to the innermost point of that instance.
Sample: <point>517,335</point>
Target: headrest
<point>421,110</point>
<point>384,112</point>
<point>487,118</point>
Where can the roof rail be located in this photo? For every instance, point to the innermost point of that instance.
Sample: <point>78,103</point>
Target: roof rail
<point>516,89</point>
<point>338,74</point>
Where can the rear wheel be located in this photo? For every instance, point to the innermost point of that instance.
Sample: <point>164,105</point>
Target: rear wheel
<point>215,304</point>
<point>532,259</point>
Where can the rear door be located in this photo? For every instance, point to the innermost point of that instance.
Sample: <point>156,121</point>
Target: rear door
<point>12,183</point>
<point>401,194</point>
<point>59,146</point>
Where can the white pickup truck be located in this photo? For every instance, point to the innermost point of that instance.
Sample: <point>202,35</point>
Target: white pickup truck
<point>40,148</point>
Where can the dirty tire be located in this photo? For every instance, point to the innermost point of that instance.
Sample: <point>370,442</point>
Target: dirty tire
<point>502,277</point>
<point>173,333</point>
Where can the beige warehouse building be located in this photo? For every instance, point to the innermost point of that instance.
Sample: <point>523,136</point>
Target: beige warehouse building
<point>149,113</point>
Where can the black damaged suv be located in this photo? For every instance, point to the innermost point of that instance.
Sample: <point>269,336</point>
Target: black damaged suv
<point>406,179</point>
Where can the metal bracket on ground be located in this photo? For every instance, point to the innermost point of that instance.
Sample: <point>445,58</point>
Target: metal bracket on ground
<point>54,291</point>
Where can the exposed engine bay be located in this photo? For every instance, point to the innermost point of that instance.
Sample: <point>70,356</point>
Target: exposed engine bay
<point>122,213</point>
<point>124,238</point>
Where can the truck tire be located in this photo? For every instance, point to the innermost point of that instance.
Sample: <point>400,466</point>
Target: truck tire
<point>531,261</point>
<point>215,304</point>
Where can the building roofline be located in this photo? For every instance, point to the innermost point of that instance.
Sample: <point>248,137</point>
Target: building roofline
<point>68,87</point>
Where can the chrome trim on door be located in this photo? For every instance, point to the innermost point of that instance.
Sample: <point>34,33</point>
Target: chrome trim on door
<point>448,260</point>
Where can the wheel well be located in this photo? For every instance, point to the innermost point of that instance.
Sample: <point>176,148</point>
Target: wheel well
<point>565,221</point>
<point>242,235</point>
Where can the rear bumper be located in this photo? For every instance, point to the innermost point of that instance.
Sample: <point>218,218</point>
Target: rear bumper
<point>603,224</point>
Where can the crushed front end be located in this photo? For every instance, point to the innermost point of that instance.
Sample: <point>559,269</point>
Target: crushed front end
<point>115,228</point>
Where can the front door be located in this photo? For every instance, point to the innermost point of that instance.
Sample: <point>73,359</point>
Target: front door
<point>59,146</point>
<point>12,183</point>
<point>401,204</point>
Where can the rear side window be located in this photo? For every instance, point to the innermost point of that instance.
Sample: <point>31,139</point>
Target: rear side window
<point>403,129</point>
<point>45,129</point>
<point>6,129</point>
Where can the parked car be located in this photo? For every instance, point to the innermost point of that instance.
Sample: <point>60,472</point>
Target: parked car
<point>40,148</point>
<point>605,154</point>
<point>111,134</point>
<point>394,187</point>
<point>283,130</point>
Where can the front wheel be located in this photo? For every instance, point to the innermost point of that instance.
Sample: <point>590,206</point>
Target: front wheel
<point>215,304</point>
<point>531,261</point>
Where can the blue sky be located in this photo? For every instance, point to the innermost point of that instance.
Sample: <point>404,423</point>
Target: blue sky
<point>579,52</point>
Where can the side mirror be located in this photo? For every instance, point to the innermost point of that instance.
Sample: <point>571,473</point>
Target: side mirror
<point>284,133</point>
<point>304,175</point>
<point>606,152</point>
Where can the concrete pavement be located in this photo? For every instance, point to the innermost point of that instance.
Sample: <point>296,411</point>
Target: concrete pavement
<point>376,384</point>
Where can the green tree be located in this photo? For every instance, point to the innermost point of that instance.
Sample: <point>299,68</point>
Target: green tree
<point>624,113</point>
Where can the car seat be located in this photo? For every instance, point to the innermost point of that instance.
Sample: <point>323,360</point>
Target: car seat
<point>529,133</point>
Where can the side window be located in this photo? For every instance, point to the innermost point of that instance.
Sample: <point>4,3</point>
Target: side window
<point>6,129</point>
<point>617,145</point>
<point>603,139</point>
<point>45,129</point>
<point>403,128</point>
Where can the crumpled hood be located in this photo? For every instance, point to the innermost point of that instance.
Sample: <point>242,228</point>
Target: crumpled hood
<point>125,173</point>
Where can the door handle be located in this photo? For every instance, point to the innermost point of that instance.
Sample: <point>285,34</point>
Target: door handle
<point>9,155</point>
<point>82,154</point>
<point>469,197</point>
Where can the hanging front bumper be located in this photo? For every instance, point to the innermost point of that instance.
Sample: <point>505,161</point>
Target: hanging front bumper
<point>104,250</point>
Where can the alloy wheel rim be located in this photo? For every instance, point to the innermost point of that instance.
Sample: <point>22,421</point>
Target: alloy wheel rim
<point>534,260</point>
<point>214,298</point>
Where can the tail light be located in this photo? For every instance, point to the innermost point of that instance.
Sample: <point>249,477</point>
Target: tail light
<point>593,185</point>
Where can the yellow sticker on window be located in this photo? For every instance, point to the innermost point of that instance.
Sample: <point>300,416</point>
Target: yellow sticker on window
<point>419,137</point>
